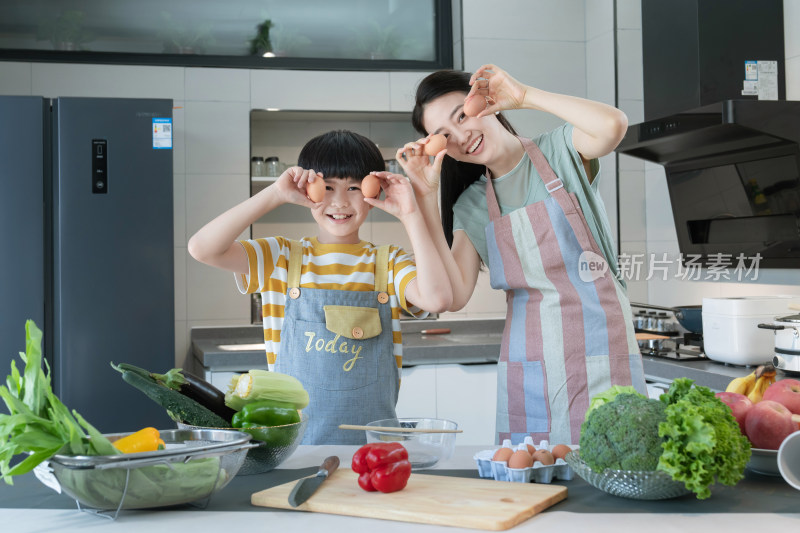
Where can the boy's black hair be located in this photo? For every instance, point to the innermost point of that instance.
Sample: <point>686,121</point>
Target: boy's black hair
<point>456,175</point>
<point>341,154</point>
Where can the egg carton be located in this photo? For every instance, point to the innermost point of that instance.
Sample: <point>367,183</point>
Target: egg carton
<point>538,473</point>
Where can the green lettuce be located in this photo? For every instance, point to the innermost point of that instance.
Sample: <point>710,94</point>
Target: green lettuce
<point>703,443</point>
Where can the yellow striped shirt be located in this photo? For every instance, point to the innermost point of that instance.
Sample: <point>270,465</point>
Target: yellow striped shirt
<point>346,267</point>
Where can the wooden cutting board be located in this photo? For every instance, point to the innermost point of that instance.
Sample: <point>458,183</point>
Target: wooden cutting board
<point>427,499</point>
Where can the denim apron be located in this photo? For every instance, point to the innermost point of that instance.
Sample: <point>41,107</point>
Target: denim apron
<point>339,345</point>
<point>569,331</point>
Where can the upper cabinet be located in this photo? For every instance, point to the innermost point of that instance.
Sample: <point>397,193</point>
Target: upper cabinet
<point>302,34</point>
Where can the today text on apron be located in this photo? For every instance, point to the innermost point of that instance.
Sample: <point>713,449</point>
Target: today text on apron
<point>565,339</point>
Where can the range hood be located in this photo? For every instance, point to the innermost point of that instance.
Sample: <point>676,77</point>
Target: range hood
<point>732,160</point>
<point>712,131</point>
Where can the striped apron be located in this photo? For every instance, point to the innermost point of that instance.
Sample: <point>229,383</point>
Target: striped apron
<point>569,331</point>
<point>339,345</point>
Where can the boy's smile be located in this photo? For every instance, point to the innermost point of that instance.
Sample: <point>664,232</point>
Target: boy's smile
<point>341,212</point>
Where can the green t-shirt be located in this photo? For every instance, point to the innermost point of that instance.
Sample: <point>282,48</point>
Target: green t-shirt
<point>523,186</point>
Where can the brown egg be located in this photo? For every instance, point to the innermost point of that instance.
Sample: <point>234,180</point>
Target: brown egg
<point>315,190</point>
<point>370,186</point>
<point>474,104</point>
<point>435,144</point>
<point>520,459</point>
<point>531,449</point>
<point>502,454</point>
<point>543,456</point>
<point>560,451</point>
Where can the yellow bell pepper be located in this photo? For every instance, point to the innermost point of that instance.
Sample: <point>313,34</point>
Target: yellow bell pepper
<point>144,440</point>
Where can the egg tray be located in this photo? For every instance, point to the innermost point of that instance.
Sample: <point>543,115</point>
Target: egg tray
<point>538,473</point>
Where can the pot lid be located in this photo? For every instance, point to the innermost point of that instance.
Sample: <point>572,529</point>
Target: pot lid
<point>790,318</point>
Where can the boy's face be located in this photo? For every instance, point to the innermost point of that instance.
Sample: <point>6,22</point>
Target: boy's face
<point>341,212</point>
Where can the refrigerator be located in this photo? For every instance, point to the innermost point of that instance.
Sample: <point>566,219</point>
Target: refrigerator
<point>86,247</point>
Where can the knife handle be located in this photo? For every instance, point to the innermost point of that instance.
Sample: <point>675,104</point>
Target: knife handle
<point>329,465</point>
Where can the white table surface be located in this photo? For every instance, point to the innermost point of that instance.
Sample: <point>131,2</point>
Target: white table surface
<point>166,521</point>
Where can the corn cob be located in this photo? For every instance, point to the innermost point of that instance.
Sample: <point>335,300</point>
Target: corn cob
<point>258,385</point>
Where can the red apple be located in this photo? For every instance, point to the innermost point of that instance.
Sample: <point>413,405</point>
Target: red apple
<point>739,404</point>
<point>768,423</point>
<point>786,392</point>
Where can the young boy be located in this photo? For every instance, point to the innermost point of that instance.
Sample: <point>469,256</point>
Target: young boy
<point>332,303</point>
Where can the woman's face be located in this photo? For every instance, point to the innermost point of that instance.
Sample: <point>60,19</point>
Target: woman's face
<point>469,139</point>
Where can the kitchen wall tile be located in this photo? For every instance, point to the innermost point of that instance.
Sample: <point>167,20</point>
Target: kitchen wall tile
<point>485,299</point>
<point>553,20</point>
<point>599,18</point>
<point>112,81</point>
<point>633,268</point>
<point>16,79</point>
<point>218,84</point>
<point>629,51</point>
<point>320,90</point>
<point>637,291</point>
<point>791,23</point>
<point>183,346</point>
<point>217,137</point>
<point>600,75</point>
<point>386,135</point>
<point>180,258</point>
<point>179,209</point>
<point>403,88</point>
<point>178,136</point>
<point>631,164</point>
<point>629,14</point>
<point>632,206</point>
<point>209,195</point>
<point>793,78</point>
<point>660,224</point>
<point>634,109</point>
<point>213,294</point>
<point>607,189</point>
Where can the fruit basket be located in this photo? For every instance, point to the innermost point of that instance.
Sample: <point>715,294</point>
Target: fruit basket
<point>637,485</point>
<point>273,445</point>
<point>194,465</point>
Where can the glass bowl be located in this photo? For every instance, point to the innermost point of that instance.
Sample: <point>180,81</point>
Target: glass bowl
<point>637,485</point>
<point>277,443</point>
<point>425,450</point>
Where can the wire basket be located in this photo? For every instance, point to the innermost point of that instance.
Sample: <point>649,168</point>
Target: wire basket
<point>637,485</point>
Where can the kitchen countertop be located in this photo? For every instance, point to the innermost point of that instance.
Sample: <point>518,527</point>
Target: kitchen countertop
<point>756,502</point>
<point>471,341</point>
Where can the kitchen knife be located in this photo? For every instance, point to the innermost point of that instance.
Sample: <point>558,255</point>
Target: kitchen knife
<point>306,486</point>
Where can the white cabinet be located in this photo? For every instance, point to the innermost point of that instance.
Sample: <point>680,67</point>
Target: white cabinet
<point>465,394</point>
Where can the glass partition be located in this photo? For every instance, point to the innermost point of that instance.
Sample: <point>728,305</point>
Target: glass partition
<point>324,34</point>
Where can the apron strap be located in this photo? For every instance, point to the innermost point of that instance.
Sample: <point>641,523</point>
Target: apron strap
<point>382,268</point>
<point>295,264</point>
<point>551,181</point>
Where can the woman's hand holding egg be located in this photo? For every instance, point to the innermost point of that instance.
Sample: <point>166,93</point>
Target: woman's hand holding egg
<point>498,90</point>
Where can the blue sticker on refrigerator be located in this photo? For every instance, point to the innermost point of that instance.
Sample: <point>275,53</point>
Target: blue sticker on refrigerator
<point>162,133</point>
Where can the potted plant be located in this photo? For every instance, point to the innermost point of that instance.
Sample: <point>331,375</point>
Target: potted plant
<point>260,44</point>
<point>65,32</point>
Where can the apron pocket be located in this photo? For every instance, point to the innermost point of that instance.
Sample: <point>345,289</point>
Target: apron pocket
<point>522,401</point>
<point>353,322</point>
<point>326,360</point>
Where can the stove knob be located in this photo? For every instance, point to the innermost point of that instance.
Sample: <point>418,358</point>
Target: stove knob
<point>778,361</point>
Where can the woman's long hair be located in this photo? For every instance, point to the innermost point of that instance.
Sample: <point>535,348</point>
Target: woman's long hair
<point>456,175</point>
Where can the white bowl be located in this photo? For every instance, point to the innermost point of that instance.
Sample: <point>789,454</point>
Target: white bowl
<point>425,450</point>
<point>764,462</point>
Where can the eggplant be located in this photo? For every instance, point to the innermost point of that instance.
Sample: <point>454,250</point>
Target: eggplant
<point>205,394</point>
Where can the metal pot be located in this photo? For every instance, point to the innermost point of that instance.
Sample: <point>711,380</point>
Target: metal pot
<point>688,316</point>
<point>787,342</point>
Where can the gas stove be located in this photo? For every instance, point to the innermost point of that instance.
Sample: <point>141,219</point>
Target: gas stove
<point>688,347</point>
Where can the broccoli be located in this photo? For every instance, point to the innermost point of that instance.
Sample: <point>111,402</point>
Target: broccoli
<point>623,434</point>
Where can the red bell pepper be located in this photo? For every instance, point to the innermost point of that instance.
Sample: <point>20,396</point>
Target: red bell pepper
<point>382,466</point>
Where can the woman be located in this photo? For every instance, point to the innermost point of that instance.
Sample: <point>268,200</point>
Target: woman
<point>530,211</point>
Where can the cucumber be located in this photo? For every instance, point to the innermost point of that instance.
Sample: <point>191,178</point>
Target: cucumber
<point>179,406</point>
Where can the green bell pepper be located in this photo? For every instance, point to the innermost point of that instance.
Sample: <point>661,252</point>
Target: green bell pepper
<point>268,413</point>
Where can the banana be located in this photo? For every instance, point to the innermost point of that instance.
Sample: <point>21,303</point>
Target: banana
<point>766,375</point>
<point>743,385</point>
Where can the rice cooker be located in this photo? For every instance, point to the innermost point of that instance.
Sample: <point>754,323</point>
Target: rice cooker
<point>730,327</point>
<point>787,342</point>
